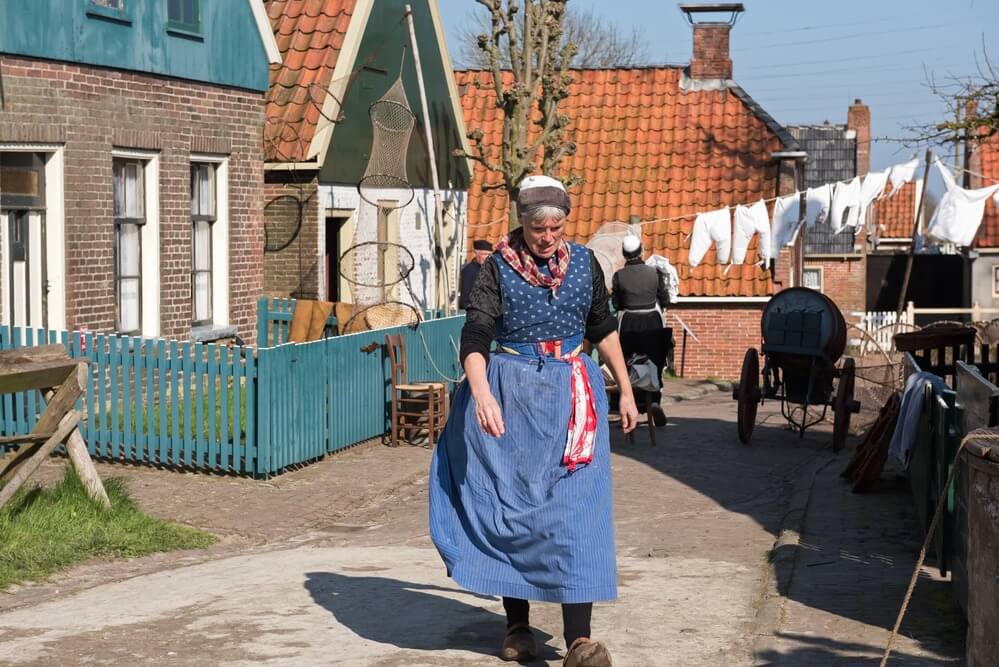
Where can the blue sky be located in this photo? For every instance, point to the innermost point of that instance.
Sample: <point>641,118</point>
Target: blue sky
<point>806,61</point>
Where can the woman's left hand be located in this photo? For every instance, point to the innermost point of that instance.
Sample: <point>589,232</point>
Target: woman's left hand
<point>629,413</point>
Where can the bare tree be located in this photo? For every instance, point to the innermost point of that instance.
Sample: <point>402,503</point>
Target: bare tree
<point>599,43</point>
<point>528,64</point>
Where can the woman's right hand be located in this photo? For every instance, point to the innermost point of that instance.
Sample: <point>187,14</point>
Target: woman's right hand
<point>488,414</point>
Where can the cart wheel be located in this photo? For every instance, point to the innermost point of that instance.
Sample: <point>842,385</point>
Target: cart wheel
<point>748,394</point>
<point>843,404</point>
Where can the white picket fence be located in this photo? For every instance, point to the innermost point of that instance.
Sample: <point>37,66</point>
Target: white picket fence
<point>881,326</point>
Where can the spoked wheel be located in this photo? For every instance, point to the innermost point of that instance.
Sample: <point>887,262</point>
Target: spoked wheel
<point>748,394</point>
<point>843,404</point>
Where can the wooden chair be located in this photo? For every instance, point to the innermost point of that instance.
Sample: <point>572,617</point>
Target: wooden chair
<point>415,407</point>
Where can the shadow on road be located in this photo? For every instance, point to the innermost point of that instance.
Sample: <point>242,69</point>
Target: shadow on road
<point>412,616</point>
<point>820,651</point>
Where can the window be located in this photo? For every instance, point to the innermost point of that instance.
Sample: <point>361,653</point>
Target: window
<point>110,10</point>
<point>184,15</point>
<point>995,280</point>
<point>118,5</point>
<point>129,219</point>
<point>203,217</point>
<point>812,278</point>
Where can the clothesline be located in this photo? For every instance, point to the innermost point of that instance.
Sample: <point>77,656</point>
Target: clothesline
<point>732,207</point>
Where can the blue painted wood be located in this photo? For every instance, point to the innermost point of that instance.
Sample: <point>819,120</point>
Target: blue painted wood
<point>229,51</point>
<point>164,372</point>
<point>187,389</point>
<point>151,436</point>
<point>252,391</point>
<point>199,405</point>
<point>20,424</point>
<point>213,397</point>
<point>127,404</point>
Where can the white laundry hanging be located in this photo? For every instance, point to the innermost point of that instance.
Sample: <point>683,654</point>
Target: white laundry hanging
<point>667,274</point>
<point>817,202</point>
<point>787,211</point>
<point>939,182</point>
<point>958,215</point>
<point>751,220</point>
<point>845,203</point>
<point>874,185</point>
<point>902,174</point>
<point>713,227</point>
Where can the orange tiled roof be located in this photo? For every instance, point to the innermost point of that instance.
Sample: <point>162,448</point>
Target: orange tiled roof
<point>645,147</point>
<point>988,235</point>
<point>309,35</point>
<point>894,213</point>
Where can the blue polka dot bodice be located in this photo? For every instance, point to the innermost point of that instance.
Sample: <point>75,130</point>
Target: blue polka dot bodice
<point>532,314</point>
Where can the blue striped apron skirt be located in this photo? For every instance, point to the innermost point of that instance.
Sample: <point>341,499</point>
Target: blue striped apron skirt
<point>505,514</point>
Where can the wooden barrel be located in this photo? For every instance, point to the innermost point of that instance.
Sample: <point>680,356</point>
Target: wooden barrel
<point>804,319</point>
<point>981,495</point>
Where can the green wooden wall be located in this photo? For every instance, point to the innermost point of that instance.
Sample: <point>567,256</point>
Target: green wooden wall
<point>376,68</point>
<point>228,51</point>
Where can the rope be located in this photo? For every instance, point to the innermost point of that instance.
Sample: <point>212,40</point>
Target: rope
<point>977,434</point>
<point>426,348</point>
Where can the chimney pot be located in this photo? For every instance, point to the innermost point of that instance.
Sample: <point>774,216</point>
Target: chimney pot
<point>711,58</point>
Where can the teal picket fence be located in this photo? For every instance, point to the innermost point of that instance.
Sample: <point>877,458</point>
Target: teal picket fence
<point>274,321</point>
<point>324,396</point>
<point>151,400</point>
<point>235,410</point>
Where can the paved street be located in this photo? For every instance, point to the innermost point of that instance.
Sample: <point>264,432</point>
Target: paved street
<point>697,518</point>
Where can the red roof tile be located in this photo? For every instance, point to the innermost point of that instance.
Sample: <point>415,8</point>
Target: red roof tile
<point>893,214</point>
<point>309,35</point>
<point>645,147</point>
<point>988,235</point>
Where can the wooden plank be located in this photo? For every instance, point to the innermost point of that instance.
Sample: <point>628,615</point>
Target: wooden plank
<point>127,402</point>
<point>66,426</point>
<point>213,390</point>
<point>261,450</point>
<point>103,379</point>
<point>149,360</point>
<point>251,389</point>
<point>114,373</point>
<point>164,372</point>
<point>65,397</point>
<point>187,389</point>
<point>199,404</point>
<point>76,447</point>
<point>225,414</point>
<point>176,436</point>
<point>8,399</point>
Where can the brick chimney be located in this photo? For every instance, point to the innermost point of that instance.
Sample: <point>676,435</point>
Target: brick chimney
<point>858,118</point>
<point>711,58</point>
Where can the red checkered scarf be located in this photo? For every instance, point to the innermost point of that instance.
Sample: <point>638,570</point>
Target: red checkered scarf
<point>513,249</point>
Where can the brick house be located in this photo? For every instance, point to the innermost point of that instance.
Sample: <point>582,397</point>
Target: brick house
<point>129,165</point>
<point>339,57</point>
<point>661,144</point>
<point>836,264</point>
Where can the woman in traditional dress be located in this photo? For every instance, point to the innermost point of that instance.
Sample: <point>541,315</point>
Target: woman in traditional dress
<point>520,492</point>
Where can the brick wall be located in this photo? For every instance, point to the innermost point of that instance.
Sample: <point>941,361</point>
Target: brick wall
<point>725,331</point>
<point>711,58</point>
<point>291,228</point>
<point>89,110</point>
<point>844,280</point>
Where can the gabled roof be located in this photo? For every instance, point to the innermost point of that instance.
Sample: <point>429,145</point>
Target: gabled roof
<point>310,35</point>
<point>894,214</point>
<point>652,146</point>
<point>320,41</point>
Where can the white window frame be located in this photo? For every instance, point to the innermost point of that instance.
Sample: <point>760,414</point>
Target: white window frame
<point>822,277</point>
<point>220,239</point>
<point>149,238</point>
<point>55,232</point>
<point>995,280</point>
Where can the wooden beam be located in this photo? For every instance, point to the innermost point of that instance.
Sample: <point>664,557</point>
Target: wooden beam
<point>67,426</point>
<point>23,439</point>
<point>35,368</point>
<point>70,389</point>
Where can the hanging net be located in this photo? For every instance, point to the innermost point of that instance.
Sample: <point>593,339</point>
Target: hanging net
<point>392,125</point>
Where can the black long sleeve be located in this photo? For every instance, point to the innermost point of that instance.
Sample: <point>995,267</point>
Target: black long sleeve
<point>484,308</point>
<point>599,322</point>
<point>662,294</point>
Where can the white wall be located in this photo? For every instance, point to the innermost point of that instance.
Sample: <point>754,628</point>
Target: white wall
<point>416,229</point>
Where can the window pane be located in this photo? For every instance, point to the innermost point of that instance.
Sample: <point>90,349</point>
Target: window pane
<point>206,190</point>
<point>133,204</point>
<point>128,250</point>
<point>202,246</point>
<point>173,11</point>
<point>128,304</point>
<point>194,189</point>
<point>190,13</point>
<point>202,296</point>
<point>119,190</point>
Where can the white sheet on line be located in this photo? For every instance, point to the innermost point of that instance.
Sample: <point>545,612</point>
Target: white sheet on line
<point>712,227</point>
<point>749,221</point>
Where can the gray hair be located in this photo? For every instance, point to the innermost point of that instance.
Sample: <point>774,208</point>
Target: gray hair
<point>543,213</point>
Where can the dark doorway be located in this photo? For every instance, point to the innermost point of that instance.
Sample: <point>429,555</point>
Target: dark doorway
<point>331,260</point>
<point>937,281</point>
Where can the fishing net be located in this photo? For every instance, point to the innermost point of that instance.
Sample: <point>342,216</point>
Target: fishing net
<point>392,123</point>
